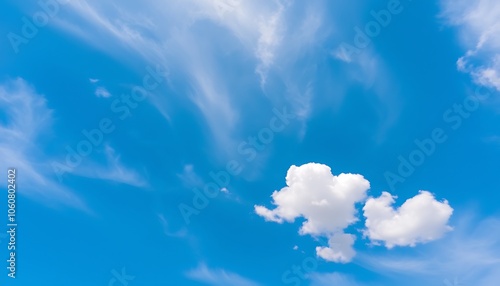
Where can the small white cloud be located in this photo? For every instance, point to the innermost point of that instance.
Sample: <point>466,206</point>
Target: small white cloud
<point>93,80</point>
<point>224,190</point>
<point>420,219</point>
<point>102,92</point>
<point>218,277</point>
<point>326,202</point>
<point>295,247</point>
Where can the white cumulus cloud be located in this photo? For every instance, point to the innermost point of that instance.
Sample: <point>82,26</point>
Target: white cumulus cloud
<point>420,219</point>
<point>326,202</point>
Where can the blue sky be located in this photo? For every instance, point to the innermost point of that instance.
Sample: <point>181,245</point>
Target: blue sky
<point>233,142</point>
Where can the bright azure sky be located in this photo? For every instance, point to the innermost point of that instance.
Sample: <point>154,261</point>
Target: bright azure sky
<point>267,142</point>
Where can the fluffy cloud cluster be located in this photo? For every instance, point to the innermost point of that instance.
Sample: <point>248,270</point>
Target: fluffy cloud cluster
<point>420,219</point>
<point>480,31</point>
<point>327,203</point>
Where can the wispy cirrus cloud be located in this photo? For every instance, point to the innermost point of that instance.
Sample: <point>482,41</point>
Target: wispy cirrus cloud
<point>181,233</point>
<point>189,35</point>
<point>111,169</point>
<point>27,120</point>
<point>24,131</point>
<point>479,25</point>
<point>335,278</point>
<point>218,277</point>
<point>470,255</point>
